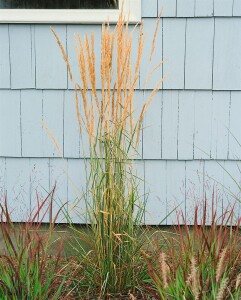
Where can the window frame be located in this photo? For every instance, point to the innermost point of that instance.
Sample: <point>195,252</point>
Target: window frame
<point>131,9</point>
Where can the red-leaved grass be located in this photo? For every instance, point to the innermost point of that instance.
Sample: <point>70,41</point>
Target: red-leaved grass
<point>204,260</point>
<point>27,270</point>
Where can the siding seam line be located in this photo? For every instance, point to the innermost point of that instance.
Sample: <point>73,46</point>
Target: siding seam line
<point>213,56</point>
<point>144,175</point>
<point>63,123</point>
<point>185,182</point>
<point>194,124</point>
<point>142,129</point>
<point>178,120</point>
<point>162,53</point>
<point>20,123</point>
<point>166,189</point>
<point>51,204</point>
<point>161,123</point>
<point>30,186</point>
<point>66,45</point>
<point>42,116</point>
<point>229,122</point>
<point>9,54</point>
<point>35,55</point>
<point>185,52</point>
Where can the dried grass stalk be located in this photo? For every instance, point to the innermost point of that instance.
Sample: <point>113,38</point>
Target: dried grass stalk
<point>221,265</point>
<point>164,269</point>
<point>110,110</point>
<point>222,289</point>
<point>192,280</point>
<point>114,207</point>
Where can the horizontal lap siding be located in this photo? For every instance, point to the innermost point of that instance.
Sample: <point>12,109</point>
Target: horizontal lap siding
<point>174,125</point>
<point>72,139</point>
<point>170,125</point>
<point>174,35</point>
<point>190,141</point>
<point>2,177</point>
<point>156,192</point>
<point>169,184</point>
<point>236,8</point>
<point>185,143</point>
<point>203,8</point>
<point>22,56</point>
<point>40,186</point>
<point>76,189</point>
<point>235,132</point>
<point>149,8</point>
<point>58,178</point>
<point>31,123</point>
<point>10,123</point>
<point>220,125</point>
<point>232,192</point>
<point>227,59</point>
<point>202,129</point>
<point>168,7</point>
<point>194,188</point>
<point>196,53</point>
<point>43,124</point>
<point>152,59</point>
<point>192,8</point>
<point>30,180</point>
<point>51,71</point>
<point>53,123</point>
<point>185,8</point>
<point>199,54</point>
<point>18,188</point>
<point>5,72</point>
<point>223,7</point>
<point>214,187</point>
<point>152,128</point>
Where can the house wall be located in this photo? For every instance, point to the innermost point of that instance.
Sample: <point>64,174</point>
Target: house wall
<point>191,133</point>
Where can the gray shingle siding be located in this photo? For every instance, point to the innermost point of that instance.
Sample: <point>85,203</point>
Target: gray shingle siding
<point>188,145</point>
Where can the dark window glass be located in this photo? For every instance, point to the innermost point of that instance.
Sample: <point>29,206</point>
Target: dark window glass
<point>58,4</point>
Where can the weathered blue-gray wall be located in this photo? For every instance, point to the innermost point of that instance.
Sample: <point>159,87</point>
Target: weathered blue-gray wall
<point>188,145</point>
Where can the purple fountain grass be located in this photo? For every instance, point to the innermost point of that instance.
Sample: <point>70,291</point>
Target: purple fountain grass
<point>204,260</point>
<point>28,271</point>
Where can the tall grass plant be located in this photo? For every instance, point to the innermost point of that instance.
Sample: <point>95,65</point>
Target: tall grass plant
<point>110,254</point>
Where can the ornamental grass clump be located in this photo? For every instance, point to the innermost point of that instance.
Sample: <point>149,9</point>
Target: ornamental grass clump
<point>201,262</point>
<point>27,270</point>
<point>109,254</point>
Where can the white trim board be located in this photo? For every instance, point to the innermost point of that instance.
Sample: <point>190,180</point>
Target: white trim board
<point>131,10</point>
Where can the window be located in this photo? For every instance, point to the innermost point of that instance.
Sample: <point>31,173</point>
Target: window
<point>67,11</point>
<point>58,4</point>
